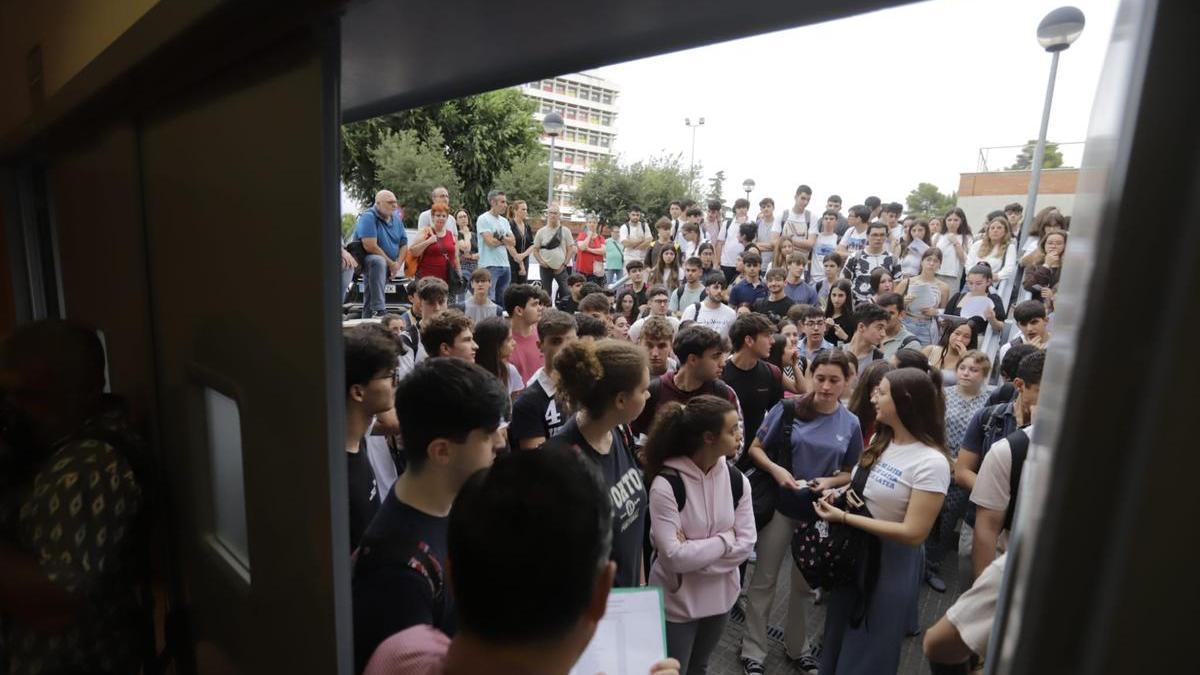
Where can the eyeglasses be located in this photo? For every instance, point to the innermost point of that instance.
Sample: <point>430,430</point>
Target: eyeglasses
<point>394,377</point>
<point>814,324</point>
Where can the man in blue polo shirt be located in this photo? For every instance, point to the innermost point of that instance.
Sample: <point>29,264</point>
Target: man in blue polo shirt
<point>381,231</point>
<point>494,235</point>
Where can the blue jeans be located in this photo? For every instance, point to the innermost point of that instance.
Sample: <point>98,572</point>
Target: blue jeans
<point>375,275</point>
<point>501,276</point>
<point>611,276</point>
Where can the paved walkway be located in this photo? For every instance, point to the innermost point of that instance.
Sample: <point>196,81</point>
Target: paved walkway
<point>932,606</point>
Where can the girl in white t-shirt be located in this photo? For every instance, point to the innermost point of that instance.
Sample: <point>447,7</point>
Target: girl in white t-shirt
<point>996,250</point>
<point>954,242</point>
<point>910,474</point>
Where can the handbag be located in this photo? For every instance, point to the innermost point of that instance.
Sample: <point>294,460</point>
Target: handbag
<point>833,555</point>
<point>412,262</point>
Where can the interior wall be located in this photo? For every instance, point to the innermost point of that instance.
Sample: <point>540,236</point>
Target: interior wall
<point>71,34</point>
<point>96,200</point>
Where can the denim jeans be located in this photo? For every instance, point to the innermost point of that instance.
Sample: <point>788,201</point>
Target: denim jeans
<point>375,275</point>
<point>611,276</point>
<point>548,279</point>
<point>500,280</point>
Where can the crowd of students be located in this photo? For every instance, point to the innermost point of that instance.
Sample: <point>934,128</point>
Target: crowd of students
<point>724,382</point>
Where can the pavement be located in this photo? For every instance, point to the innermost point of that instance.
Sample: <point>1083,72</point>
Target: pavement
<point>932,606</point>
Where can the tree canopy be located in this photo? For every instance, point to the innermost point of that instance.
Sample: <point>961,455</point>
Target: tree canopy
<point>610,188</point>
<point>926,201</point>
<point>1051,160</point>
<point>480,136</point>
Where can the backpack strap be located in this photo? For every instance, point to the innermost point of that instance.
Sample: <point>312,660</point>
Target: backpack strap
<point>1018,441</point>
<point>676,482</point>
<point>908,341</point>
<point>780,446</point>
<point>736,487</point>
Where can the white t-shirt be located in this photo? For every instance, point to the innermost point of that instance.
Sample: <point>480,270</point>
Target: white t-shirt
<point>992,487</point>
<point>825,244</point>
<point>951,267</point>
<point>795,224</point>
<point>733,246</point>
<point>766,230</point>
<point>854,241</point>
<point>975,610</point>
<point>515,383</point>
<point>641,231</point>
<point>719,319</point>
<point>635,331</point>
<point>900,470</point>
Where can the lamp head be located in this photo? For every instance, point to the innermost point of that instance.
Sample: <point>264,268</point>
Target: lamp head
<point>1060,28</point>
<point>552,123</point>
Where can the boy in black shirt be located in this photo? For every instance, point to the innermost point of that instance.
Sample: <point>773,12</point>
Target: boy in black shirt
<point>370,354</point>
<point>776,305</point>
<point>450,420</point>
<point>758,384</point>
<point>537,414</point>
<point>570,303</point>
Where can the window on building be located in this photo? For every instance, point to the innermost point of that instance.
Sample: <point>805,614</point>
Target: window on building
<point>608,99</point>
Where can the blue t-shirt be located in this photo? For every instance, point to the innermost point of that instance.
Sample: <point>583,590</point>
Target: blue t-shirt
<point>802,293</point>
<point>826,445</point>
<point>492,256</point>
<point>389,234</point>
<point>743,293</point>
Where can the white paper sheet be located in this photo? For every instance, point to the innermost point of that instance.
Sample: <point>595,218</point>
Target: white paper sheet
<point>974,306</point>
<point>924,296</point>
<point>630,638</point>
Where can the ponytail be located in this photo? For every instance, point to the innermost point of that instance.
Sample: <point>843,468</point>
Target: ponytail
<point>678,430</point>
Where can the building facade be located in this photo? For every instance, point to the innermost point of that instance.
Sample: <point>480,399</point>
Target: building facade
<point>983,192</point>
<point>588,105</point>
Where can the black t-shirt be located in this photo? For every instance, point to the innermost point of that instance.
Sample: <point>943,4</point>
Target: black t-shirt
<point>775,310</point>
<point>846,321</point>
<point>390,592</point>
<point>629,499</point>
<point>364,495</point>
<point>757,389</point>
<point>568,304</point>
<point>535,414</point>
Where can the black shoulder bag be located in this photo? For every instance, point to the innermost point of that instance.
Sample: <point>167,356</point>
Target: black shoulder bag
<point>764,491</point>
<point>832,555</point>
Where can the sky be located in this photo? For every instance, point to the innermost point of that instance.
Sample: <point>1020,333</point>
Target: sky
<point>873,104</point>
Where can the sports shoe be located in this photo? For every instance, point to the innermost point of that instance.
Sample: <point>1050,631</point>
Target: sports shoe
<point>752,666</point>
<point>935,582</point>
<point>810,661</point>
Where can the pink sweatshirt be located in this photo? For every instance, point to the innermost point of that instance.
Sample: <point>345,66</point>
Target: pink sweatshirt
<point>699,577</point>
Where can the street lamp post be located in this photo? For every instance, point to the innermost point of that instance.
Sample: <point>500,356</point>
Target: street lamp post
<point>692,161</point>
<point>552,123</point>
<point>748,186</point>
<point>1055,33</point>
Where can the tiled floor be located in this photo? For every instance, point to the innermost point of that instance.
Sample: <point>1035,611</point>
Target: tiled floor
<point>932,606</point>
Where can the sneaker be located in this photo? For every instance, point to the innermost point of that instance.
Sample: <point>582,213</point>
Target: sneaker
<point>752,666</point>
<point>935,582</point>
<point>807,664</point>
<point>818,596</point>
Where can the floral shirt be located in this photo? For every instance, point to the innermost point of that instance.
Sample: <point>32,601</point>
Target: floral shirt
<point>959,410</point>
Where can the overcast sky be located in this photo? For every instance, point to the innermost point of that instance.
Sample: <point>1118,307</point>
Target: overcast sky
<point>872,104</point>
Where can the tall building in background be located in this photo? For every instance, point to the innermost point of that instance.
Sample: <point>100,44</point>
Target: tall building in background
<point>588,105</point>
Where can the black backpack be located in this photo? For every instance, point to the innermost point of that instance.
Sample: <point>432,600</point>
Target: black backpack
<point>764,491</point>
<point>1018,441</point>
<point>673,479</point>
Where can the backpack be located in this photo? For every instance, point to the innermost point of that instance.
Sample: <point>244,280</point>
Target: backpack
<point>764,491</point>
<point>411,553</point>
<point>673,479</point>
<point>1018,441</point>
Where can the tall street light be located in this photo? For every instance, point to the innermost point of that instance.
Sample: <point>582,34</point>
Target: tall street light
<point>692,164</point>
<point>1055,33</point>
<point>552,124</point>
<point>748,186</point>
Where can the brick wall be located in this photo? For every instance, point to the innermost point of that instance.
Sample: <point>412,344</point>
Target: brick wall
<point>1053,181</point>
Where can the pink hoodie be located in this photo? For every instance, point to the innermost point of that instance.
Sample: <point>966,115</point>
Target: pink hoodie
<point>699,577</point>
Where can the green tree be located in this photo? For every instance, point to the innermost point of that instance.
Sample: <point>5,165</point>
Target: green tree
<point>926,201</point>
<point>1051,160</point>
<point>610,188</point>
<point>716,186</point>
<point>411,167</point>
<point>348,222</point>
<point>526,179</point>
<point>481,136</point>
